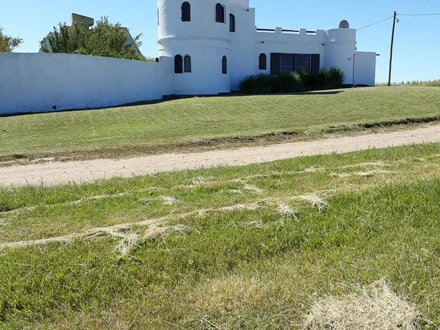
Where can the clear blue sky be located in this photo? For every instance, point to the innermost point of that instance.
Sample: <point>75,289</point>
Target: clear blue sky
<point>417,49</point>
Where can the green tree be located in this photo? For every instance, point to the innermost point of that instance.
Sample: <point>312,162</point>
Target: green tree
<point>7,43</point>
<point>103,39</point>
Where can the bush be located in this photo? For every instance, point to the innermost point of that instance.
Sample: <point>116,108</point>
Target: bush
<point>267,83</point>
<point>292,82</point>
<point>336,78</point>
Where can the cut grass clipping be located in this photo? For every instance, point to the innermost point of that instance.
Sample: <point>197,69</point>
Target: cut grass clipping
<point>373,307</point>
<point>265,246</point>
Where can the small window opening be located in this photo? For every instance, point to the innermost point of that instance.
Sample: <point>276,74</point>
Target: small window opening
<point>219,13</point>
<point>178,64</point>
<point>231,23</point>
<point>186,12</point>
<point>187,63</point>
<point>224,65</point>
<point>262,62</point>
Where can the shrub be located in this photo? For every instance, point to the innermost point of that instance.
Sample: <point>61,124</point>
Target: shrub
<point>266,83</point>
<point>336,78</point>
<point>286,83</point>
<point>324,79</point>
<point>292,82</point>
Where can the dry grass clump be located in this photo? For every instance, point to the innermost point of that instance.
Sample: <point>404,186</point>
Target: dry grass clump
<point>286,210</point>
<point>317,202</point>
<point>130,241</point>
<point>167,200</point>
<point>373,307</point>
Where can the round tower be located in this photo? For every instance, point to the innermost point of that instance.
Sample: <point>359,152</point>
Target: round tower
<point>340,49</point>
<point>194,34</point>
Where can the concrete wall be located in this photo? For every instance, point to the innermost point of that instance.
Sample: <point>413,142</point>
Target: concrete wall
<point>340,47</point>
<point>40,82</point>
<point>206,75</point>
<point>243,61</point>
<point>203,39</point>
<point>299,42</point>
<point>365,68</point>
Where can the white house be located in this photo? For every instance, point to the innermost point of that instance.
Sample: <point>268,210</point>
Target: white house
<point>205,47</point>
<point>214,44</point>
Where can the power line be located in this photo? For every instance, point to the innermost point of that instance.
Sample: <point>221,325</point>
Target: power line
<point>418,13</point>
<point>385,19</point>
<point>434,14</point>
<point>414,16</point>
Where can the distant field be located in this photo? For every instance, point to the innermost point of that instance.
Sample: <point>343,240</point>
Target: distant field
<point>200,122</point>
<point>251,247</point>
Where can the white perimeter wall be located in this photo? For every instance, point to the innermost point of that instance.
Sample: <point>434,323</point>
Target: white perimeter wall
<point>38,82</point>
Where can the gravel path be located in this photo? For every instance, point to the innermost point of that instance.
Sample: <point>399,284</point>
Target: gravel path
<point>86,171</point>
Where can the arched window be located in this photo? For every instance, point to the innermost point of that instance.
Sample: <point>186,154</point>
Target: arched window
<point>262,62</point>
<point>186,12</point>
<point>219,13</point>
<point>187,63</point>
<point>224,65</point>
<point>178,64</point>
<point>231,23</point>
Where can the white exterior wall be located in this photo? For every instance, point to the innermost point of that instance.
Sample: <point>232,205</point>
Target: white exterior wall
<point>38,82</point>
<point>243,48</point>
<point>340,47</point>
<point>206,75</point>
<point>290,43</point>
<point>365,68</point>
<point>203,39</point>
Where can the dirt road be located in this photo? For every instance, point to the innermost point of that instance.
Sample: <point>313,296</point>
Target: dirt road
<point>86,171</point>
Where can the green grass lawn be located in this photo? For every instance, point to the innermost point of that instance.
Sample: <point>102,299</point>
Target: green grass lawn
<point>203,121</point>
<point>226,248</point>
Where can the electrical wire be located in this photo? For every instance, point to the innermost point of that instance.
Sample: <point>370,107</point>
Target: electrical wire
<point>385,19</point>
<point>370,25</point>
<point>414,16</point>
<point>418,13</point>
<point>434,14</point>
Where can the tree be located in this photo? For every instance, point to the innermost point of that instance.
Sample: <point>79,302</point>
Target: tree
<point>7,43</point>
<point>103,39</point>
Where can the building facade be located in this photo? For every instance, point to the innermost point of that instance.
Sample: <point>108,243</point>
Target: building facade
<point>213,45</point>
<point>205,47</point>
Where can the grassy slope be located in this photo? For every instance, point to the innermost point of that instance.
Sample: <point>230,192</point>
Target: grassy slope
<point>258,268</point>
<point>155,127</point>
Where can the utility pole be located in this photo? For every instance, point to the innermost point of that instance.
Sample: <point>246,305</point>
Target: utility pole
<point>392,45</point>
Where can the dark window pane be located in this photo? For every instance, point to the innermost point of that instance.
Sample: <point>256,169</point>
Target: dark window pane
<point>231,23</point>
<point>286,63</point>
<point>224,65</point>
<point>262,62</point>
<point>178,64</point>
<point>219,13</point>
<point>302,63</point>
<point>275,63</point>
<point>315,63</point>
<point>187,63</point>
<point>186,12</point>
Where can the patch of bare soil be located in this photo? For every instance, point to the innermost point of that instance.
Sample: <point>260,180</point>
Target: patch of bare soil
<point>52,173</point>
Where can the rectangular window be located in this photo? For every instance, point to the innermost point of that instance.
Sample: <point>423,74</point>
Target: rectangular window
<point>285,63</point>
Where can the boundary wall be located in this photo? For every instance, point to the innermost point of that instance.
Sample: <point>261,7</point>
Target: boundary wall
<point>32,83</point>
